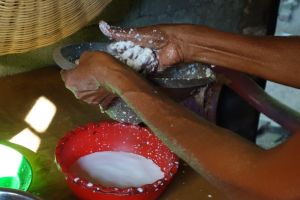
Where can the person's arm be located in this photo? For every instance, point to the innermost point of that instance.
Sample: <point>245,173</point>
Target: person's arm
<point>269,57</point>
<point>236,166</point>
<point>272,58</point>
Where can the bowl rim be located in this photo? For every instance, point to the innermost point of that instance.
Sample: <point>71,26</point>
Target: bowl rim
<point>19,192</point>
<point>148,188</point>
<point>25,189</point>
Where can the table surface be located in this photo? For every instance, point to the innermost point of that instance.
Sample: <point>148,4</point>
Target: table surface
<point>18,95</point>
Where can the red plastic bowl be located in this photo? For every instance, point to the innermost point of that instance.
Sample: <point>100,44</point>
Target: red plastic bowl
<point>109,136</point>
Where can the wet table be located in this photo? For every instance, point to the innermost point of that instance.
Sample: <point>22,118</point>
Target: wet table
<point>19,94</point>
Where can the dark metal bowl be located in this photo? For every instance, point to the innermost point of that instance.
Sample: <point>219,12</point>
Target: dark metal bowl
<point>10,194</point>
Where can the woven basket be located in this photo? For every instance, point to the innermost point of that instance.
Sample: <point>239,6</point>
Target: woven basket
<point>30,24</point>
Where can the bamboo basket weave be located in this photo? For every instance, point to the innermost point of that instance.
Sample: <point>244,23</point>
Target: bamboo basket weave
<point>30,24</point>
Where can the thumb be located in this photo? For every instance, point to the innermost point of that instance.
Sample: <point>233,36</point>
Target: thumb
<point>151,36</point>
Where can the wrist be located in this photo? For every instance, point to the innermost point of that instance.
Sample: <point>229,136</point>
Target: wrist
<point>198,43</point>
<point>187,37</point>
<point>121,80</point>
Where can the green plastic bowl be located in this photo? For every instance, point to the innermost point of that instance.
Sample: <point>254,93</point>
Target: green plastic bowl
<point>15,170</point>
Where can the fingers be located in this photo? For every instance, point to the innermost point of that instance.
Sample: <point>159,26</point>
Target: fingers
<point>66,77</point>
<point>85,56</point>
<point>169,55</point>
<point>105,29</point>
<point>97,97</point>
<point>151,37</point>
<point>83,84</point>
<point>90,96</point>
<point>63,75</point>
<point>107,101</point>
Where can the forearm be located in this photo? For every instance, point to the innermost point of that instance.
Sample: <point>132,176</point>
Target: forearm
<point>231,163</point>
<point>272,58</point>
<point>217,154</point>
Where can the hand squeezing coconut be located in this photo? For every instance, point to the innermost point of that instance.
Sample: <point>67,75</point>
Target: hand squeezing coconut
<point>135,56</point>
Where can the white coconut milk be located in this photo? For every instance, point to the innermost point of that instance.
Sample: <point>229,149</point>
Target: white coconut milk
<point>117,169</point>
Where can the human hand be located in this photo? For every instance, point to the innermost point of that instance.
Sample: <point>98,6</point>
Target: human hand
<point>96,78</point>
<point>169,41</point>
